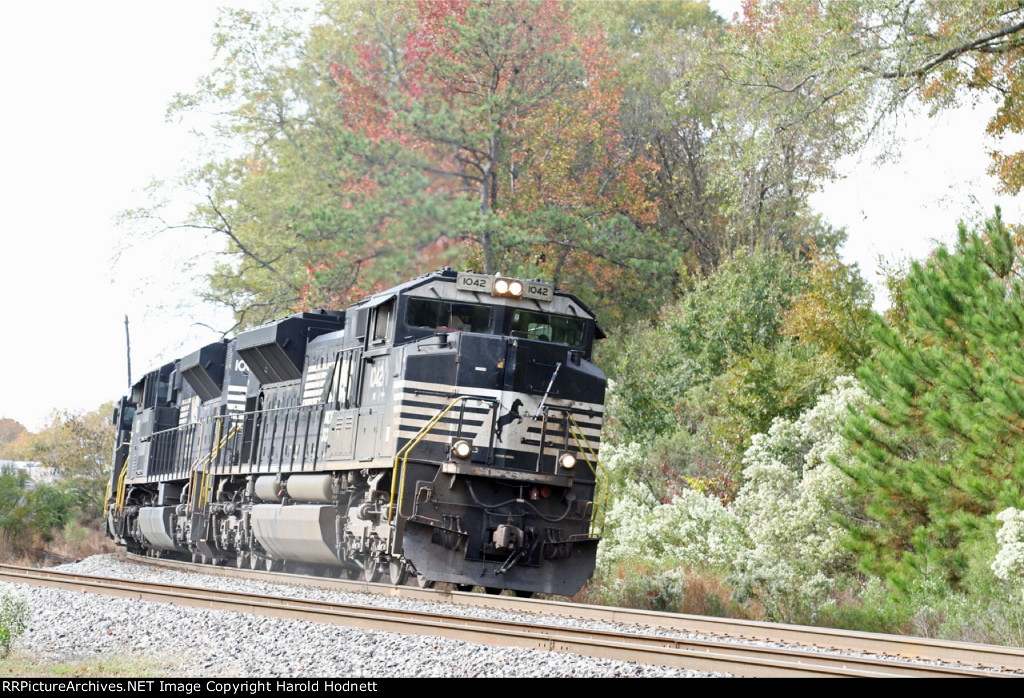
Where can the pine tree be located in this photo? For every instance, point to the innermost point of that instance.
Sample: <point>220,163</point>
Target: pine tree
<point>943,453</point>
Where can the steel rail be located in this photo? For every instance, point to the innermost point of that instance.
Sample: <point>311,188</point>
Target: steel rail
<point>996,657</point>
<point>702,655</point>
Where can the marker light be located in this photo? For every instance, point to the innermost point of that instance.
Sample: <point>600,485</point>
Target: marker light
<point>515,288</point>
<point>501,286</point>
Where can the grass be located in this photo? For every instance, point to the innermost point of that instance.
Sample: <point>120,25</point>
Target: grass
<point>72,543</point>
<point>21,664</point>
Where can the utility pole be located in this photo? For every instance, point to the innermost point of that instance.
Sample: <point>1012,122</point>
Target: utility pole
<point>128,346</point>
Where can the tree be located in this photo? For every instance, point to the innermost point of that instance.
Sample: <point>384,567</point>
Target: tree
<point>515,108</point>
<point>30,512</point>
<point>942,450</point>
<point>760,338</point>
<point>394,137</point>
<point>878,55</point>
<point>739,306</point>
<point>78,445</point>
<point>271,188</point>
<point>10,430</point>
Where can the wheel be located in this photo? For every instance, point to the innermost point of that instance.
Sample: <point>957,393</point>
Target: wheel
<point>493,591</point>
<point>373,571</point>
<point>272,565</point>
<point>352,573</point>
<point>255,562</point>
<point>422,582</point>
<point>241,560</point>
<point>398,571</point>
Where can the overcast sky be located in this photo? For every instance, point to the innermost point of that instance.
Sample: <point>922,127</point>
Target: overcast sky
<point>86,87</point>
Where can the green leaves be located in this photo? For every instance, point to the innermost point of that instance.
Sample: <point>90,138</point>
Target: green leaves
<point>760,338</point>
<point>14,615</point>
<point>948,441</point>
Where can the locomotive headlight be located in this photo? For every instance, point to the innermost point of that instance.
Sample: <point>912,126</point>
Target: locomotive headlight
<point>462,449</point>
<point>508,287</point>
<point>567,461</point>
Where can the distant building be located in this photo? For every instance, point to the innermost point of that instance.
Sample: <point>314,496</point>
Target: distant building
<point>37,472</point>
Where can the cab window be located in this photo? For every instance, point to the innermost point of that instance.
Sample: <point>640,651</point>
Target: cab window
<point>546,327</point>
<point>446,315</point>
<point>382,322</point>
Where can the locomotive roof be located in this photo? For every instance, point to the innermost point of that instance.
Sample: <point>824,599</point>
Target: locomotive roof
<point>448,274</point>
<point>338,316</point>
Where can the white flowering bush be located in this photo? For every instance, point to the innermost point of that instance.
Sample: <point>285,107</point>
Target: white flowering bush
<point>778,542</point>
<point>690,530</point>
<point>790,557</point>
<point>1009,562</point>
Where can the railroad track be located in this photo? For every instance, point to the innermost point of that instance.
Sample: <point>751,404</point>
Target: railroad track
<point>644,647</point>
<point>899,647</point>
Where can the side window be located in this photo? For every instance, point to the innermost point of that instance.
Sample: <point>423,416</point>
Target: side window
<point>383,317</point>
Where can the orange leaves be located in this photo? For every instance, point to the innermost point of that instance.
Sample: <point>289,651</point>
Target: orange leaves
<point>1009,168</point>
<point>571,154</point>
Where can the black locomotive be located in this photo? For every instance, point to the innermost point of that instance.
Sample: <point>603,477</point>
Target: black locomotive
<point>445,430</point>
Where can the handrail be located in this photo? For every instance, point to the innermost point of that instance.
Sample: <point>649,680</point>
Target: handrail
<point>119,504</point>
<point>215,448</point>
<point>214,452</point>
<point>577,435</point>
<point>194,468</point>
<point>403,453</point>
<point>119,499</point>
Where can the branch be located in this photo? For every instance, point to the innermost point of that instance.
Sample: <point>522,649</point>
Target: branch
<point>979,44</point>
<point>230,233</point>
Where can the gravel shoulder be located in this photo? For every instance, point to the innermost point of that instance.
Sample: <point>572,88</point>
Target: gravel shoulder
<point>68,626</point>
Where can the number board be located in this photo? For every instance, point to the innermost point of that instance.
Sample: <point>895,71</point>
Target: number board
<point>480,283</point>
<point>538,290</point>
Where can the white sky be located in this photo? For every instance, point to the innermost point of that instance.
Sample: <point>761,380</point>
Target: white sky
<point>85,89</point>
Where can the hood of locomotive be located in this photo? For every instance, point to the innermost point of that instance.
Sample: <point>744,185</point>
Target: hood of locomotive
<point>518,395</point>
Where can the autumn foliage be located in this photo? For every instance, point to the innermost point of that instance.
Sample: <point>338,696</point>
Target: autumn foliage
<point>507,116</point>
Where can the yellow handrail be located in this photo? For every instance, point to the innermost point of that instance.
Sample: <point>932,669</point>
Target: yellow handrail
<point>577,435</point>
<point>403,453</point>
<point>119,504</point>
<point>194,468</point>
<point>209,460</point>
<point>214,452</point>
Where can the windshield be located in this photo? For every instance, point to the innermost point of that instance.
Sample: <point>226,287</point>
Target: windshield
<point>446,315</point>
<point>547,328</point>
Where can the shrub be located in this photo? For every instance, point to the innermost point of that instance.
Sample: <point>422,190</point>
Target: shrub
<point>13,620</point>
<point>776,545</point>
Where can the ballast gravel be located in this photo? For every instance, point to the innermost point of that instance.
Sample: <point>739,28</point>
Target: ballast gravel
<point>68,626</point>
